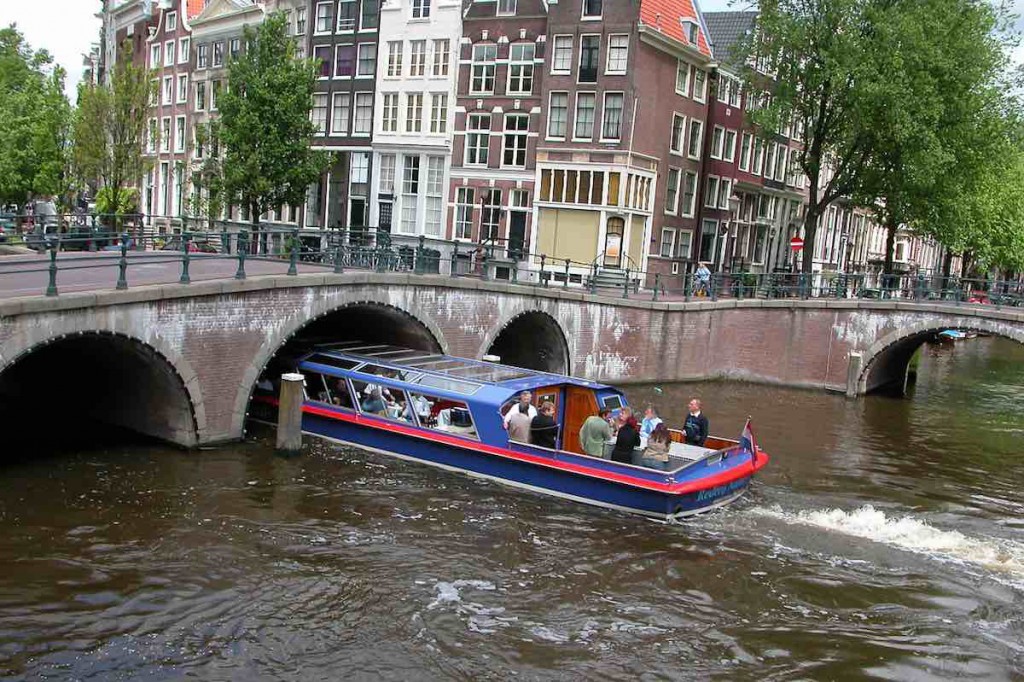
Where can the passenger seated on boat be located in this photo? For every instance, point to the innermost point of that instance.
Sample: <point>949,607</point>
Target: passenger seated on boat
<point>650,421</point>
<point>543,429</point>
<point>627,438</point>
<point>341,396</point>
<point>656,453</point>
<point>374,404</point>
<point>519,423</point>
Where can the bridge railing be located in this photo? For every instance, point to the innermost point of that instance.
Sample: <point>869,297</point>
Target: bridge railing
<point>59,256</point>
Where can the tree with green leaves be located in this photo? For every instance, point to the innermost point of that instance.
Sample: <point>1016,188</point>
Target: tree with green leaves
<point>209,196</point>
<point>936,122</point>
<point>808,55</point>
<point>36,118</point>
<point>265,125</point>
<point>109,132</point>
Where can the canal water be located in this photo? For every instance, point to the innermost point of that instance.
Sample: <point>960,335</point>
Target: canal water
<point>884,541</point>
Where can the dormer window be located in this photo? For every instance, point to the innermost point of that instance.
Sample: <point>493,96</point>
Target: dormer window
<point>172,22</point>
<point>692,31</point>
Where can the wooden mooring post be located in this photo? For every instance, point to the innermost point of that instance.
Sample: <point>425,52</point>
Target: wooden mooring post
<point>289,414</point>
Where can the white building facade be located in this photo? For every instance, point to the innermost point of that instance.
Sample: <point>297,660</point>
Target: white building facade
<point>417,68</point>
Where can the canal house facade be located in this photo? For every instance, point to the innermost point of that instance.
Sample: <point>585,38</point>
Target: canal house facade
<point>626,86</point>
<point>414,121</point>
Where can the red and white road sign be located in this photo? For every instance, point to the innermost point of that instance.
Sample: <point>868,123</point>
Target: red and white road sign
<point>796,244</point>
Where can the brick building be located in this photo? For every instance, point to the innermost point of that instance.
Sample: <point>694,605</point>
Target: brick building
<point>626,86</point>
<point>343,38</point>
<point>497,124</point>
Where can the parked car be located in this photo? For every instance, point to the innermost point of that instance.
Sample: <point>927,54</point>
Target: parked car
<point>194,245</point>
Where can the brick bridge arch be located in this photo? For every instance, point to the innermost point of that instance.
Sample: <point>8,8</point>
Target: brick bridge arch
<point>530,338</point>
<point>163,400</point>
<point>886,361</point>
<point>304,319</point>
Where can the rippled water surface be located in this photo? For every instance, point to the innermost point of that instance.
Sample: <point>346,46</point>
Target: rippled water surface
<point>885,540</point>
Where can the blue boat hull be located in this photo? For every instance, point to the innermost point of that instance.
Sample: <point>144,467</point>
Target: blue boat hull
<point>548,478</point>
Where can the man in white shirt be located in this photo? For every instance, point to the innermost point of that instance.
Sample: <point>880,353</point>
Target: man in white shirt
<point>524,399</point>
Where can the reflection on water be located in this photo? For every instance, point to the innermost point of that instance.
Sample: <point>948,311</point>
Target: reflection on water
<point>884,540</point>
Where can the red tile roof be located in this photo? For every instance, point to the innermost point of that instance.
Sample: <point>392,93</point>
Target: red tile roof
<point>667,17</point>
<point>195,7</point>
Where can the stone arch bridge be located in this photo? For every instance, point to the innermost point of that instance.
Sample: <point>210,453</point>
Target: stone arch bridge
<point>179,362</point>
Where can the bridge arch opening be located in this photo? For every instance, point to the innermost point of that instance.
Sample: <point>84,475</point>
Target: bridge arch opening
<point>533,340</point>
<point>368,322</point>
<point>69,391</point>
<point>887,364</point>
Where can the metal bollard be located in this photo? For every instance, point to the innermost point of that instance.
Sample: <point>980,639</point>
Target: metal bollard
<point>293,265</point>
<point>657,283</point>
<point>455,261</point>
<point>565,284</point>
<point>339,265</point>
<point>51,287</point>
<point>543,280</point>
<point>185,279</point>
<point>122,264</point>
<point>625,284</point>
<point>242,248</point>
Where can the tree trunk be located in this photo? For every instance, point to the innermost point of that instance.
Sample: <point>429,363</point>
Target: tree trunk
<point>947,264</point>
<point>890,244</point>
<point>810,234</point>
<point>254,215</point>
<point>965,264</point>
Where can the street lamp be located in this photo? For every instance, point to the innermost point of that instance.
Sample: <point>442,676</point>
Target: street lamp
<point>770,260</point>
<point>734,209</point>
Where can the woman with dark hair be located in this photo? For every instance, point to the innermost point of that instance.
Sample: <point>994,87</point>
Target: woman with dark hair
<point>656,452</point>
<point>627,438</point>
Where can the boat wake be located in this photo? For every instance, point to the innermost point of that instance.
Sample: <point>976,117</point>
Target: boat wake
<point>1001,556</point>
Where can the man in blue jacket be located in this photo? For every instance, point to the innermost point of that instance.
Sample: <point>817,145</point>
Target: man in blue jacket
<point>696,426</point>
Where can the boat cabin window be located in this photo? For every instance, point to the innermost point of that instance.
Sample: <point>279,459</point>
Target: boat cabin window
<point>382,401</point>
<point>399,374</point>
<point>331,361</point>
<point>446,384</point>
<point>444,414</point>
<point>327,389</point>
<point>612,402</point>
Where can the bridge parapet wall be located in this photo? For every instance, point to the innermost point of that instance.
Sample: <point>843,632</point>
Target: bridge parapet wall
<point>219,335</point>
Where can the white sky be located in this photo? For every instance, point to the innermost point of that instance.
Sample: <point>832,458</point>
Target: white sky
<point>68,27</point>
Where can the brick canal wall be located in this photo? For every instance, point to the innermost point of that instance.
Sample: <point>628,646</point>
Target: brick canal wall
<point>217,336</point>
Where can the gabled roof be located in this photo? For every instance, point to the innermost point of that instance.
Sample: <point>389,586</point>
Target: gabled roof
<point>194,7</point>
<point>667,17</point>
<point>728,30</point>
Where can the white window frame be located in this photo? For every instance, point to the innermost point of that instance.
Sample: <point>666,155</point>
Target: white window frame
<point>389,112</point>
<point>683,68</point>
<point>729,151</point>
<point>555,54</point>
<point>420,9</point>
<point>502,9</point>
<point>724,193</point>
<point>703,94</point>
<point>335,61</point>
<point>395,49</point>
<point>576,116</point>
<point>167,94</point>
<point>156,51</point>
<point>484,65</point>
<point>668,237</point>
<point>690,145</point>
<point>165,134</point>
<point>746,150</point>
<point>325,18</point>
<point>203,56</point>
<point>372,61</point>
<point>199,103</point>
<point>184,50</point>
<point>320,131</point>
<point>523,65</point>
<point>711,191</point>
<point>591,17</point>
<point>354,19</point>
<point>181,96</point>
<point>438,113</point>
<point>413,112</point>
<point>608,70</point>
<point>442,58</point>
<point>520,138</point>
<point>169,53</point>
<point>604,114</point>
<point>180,140</point>
<point>484,133</point>
<point>366,97</point>
<point>335,97</point>
<point>171,22</point>
<point>717,141</point>
<point>682,134</point>
<point>688,211</point>
<point>565,120</point>
<point>672,190</point>
<point>417,58</point>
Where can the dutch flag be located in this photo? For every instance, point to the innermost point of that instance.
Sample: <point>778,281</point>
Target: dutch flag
<point>747,440</point>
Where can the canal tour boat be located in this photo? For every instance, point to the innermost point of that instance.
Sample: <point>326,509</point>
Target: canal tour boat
<point>448,412</point>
